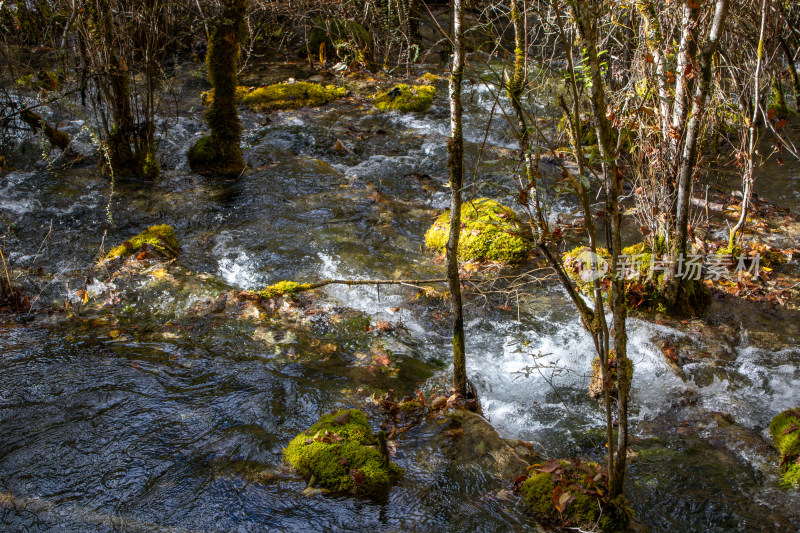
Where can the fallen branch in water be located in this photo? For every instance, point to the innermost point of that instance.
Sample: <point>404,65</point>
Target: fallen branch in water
<point>409,282</point>
<point>292,287</point>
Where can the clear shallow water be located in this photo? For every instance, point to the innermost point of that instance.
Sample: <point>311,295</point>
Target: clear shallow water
<point>171,433</point>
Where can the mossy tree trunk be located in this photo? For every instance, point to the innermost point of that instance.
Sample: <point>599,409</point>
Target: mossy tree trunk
<point>219,152</point>
<point>455,164</point>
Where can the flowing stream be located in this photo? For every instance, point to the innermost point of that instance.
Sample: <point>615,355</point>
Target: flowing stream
<point>185,432</point>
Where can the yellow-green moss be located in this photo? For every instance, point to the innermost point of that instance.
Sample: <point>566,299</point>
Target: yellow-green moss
<point>404,97</point>
<point>207,97</point>
<point>578,267</point>
<point>283,287</point>
<point>645,287</point>
<point>292,96</point>
<point>429,79</point>
<point>785,431</point>
<point>342,455</point>
<point>162,238</point>
<point>209,156</point>
<point>584,510</point>
<point>490,231</point>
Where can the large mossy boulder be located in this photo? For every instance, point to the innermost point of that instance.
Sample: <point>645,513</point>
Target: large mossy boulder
<point>159,239</point>
<point>490,231</point>
<point>785,432</point>
<point>562,491</point>
<point>645,287</point>
<point>292,96</point>
<point>406,98</point>
<point>340,453</point>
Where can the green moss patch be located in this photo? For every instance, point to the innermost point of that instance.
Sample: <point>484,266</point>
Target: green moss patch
<point>207,97</point>
<point>341,454</point>
<point>490,231</point>
<point>211,155</point>
<point>292,96</point>
<point>161,238</point>
<point>785,431</point>
<point>283,287</point>
<point>404,97</point>
<point>560,491</point>
<point>645,288</point>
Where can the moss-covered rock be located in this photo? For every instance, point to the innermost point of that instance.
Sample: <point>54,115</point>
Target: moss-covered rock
<point>283,287</point>
<point>161,238</point>
<point>490,231</point>
<point>785,432</point>
<point>404,97</point>
<point>341,454</point>
<point>207,97</point>
<point>570,490</point>
<point>292,96</point>
<point>645,287</point>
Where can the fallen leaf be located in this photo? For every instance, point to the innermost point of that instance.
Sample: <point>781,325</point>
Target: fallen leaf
<point>550,466</point>
<point>357,476</point>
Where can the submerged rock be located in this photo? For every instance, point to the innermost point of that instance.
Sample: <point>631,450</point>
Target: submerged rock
<point>468,438</point>
<point>490,231</point>
<point>340,453</point>
<point>404,97</point>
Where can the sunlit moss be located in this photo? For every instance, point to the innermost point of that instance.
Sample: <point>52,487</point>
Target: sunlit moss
<point>645,286</point>
<point>161,238</point>
<point>292,96</point>
<point>490,231</point>
<point>404,97</point>
<point>341,454</point>
<point>429,79</point>
<point>785,432</point>
<point>207,97</point>
<point>283,287</point>
<point>584,510</point>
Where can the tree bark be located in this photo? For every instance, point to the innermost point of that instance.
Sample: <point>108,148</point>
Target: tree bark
<point>747,179</point>
<point>586,25</point>
<point>689,156</point>
<point>455,164</point>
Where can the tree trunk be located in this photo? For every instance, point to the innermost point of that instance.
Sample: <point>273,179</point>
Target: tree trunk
<point>219,152</point>
<point>793,74</point>
<point>455,164</point>
<point>747,179</point>
<point>689,156</point>
<point>585,22</point>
